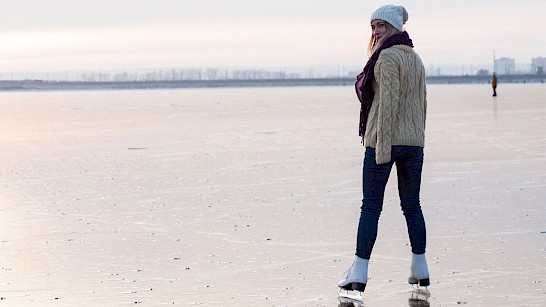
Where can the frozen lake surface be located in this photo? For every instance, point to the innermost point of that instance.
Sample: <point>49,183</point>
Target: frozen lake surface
<point>251,197</point>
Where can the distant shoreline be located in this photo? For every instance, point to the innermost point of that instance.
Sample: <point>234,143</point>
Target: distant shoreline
<point>41,85</point>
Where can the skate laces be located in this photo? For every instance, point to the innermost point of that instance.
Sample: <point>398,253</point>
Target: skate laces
<point>348,271</point>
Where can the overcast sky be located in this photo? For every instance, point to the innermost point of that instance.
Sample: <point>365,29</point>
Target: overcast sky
<point>39,35</point>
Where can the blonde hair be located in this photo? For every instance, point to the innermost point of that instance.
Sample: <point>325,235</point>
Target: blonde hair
<point>374,44</point>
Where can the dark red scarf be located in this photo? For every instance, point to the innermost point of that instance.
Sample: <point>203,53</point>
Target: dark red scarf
<point>364,84</point>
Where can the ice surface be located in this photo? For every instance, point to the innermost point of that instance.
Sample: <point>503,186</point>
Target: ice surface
<point>250,197</point>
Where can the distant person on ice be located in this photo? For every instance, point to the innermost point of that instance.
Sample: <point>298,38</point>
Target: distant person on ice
<point>392,93</point>
<point>494,84</point>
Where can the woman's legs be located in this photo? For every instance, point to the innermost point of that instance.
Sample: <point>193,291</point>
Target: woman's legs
<point>409,165</point>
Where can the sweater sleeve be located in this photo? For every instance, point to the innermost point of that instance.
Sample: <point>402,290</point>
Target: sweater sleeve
<point>423,97</point>
<point>389,95</point>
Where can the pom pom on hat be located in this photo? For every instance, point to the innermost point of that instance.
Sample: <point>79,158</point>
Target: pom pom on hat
<point>395,15</point>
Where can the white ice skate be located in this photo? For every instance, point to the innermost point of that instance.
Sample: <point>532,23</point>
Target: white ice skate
<point>419,271</point>
<point>356,277</point>
<point>354,282</point>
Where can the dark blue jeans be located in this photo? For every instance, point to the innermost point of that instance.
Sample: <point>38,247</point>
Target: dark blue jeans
<point>409,166</point>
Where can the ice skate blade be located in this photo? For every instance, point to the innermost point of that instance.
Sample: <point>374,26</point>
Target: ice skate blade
<point>350,298</point>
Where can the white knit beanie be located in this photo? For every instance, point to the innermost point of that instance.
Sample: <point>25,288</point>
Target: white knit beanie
<point>393,14</point>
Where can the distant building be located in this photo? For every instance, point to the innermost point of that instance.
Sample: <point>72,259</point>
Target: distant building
<point>505,66</point>
<point>483,72</point>
<point>537,65</point>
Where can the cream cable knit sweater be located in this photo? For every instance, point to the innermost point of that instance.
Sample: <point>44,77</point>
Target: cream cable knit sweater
<point>398,112</point>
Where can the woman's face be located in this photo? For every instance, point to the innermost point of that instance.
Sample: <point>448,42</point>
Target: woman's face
<point>379,28</point>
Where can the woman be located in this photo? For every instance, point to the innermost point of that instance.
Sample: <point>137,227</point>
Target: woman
<point>392,93</point>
